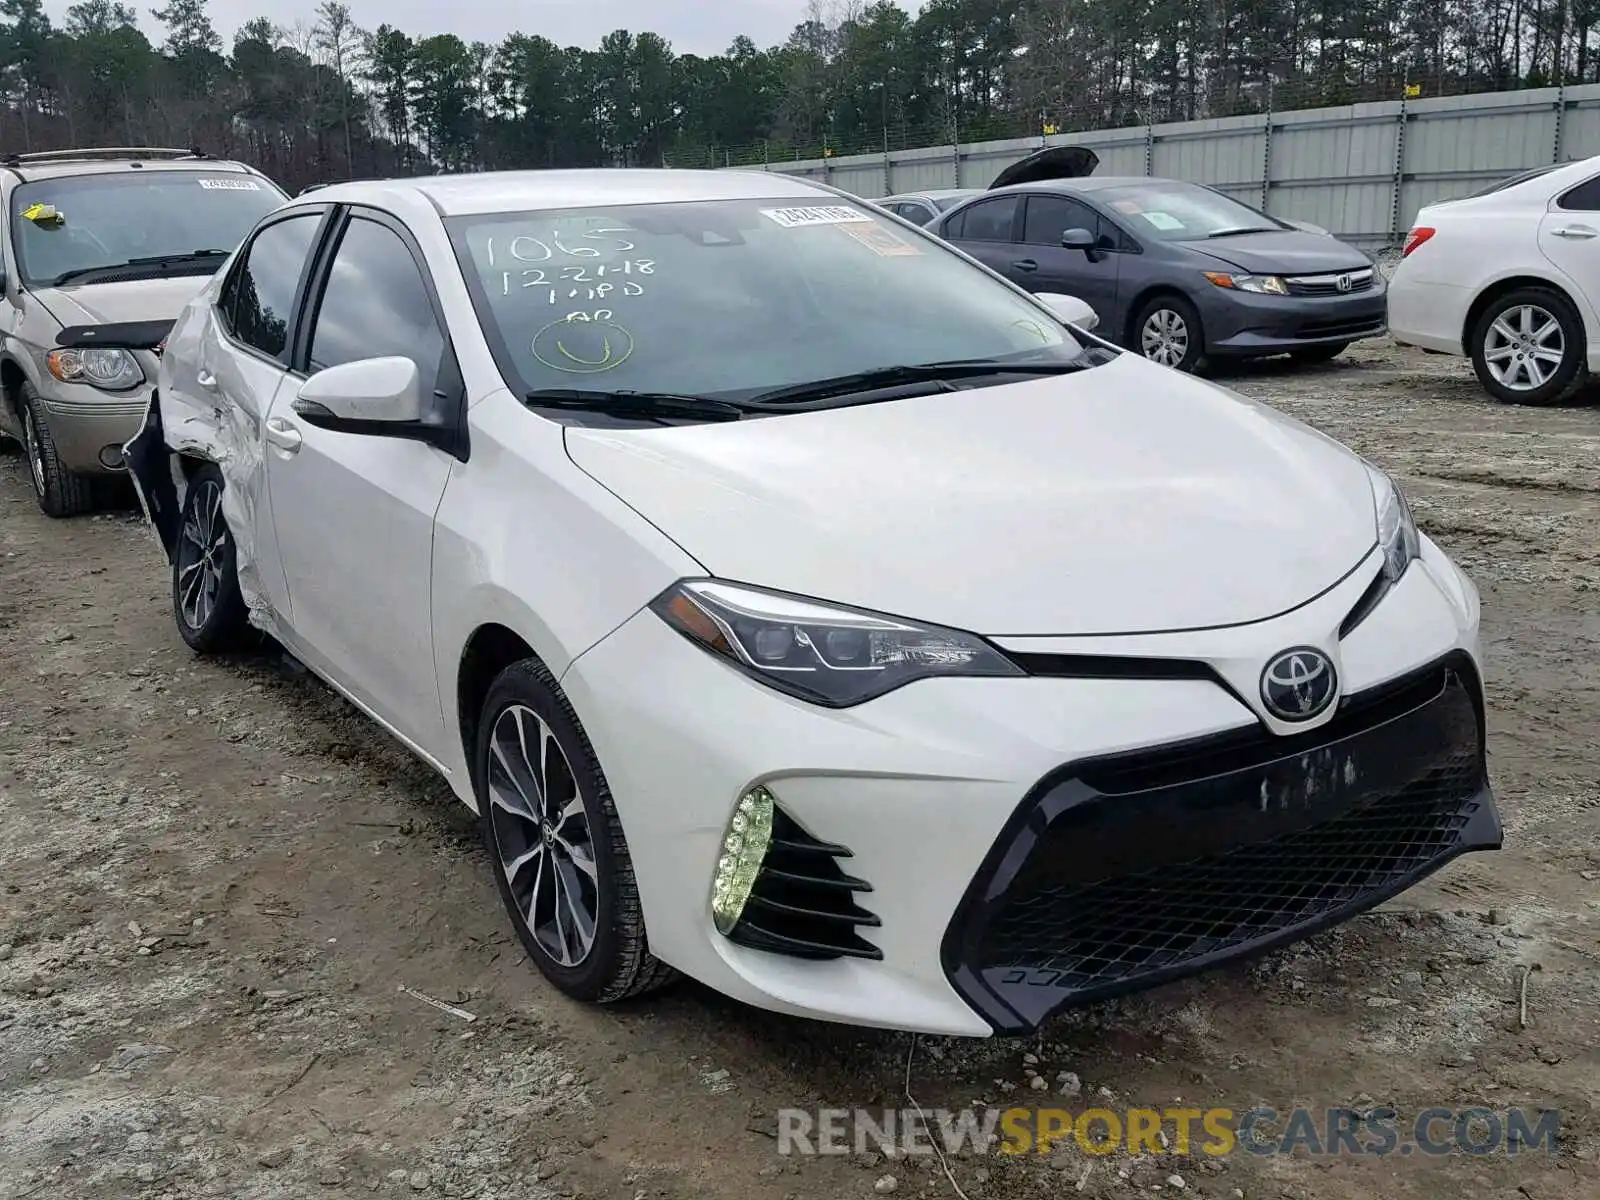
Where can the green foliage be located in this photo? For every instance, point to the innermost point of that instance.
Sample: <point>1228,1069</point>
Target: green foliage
<point>333,101</point>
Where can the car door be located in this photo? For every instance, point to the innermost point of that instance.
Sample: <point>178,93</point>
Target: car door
<point>985,230</point>
<point>354,511</point>
<point>1045,265</point>
<point>1569,236</point>
<point>243,363</point>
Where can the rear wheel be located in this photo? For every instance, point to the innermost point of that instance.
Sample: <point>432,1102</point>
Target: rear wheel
<point>1528,347</point>
<point>206,601</point>
<point>1167,331</point>
<point>562,865</point>
<point>1319,354</point>
<point>60,492</point>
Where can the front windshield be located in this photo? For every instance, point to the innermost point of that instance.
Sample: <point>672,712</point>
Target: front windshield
<point>733,297</point>
<point>1177,212</point>
<point>74,225</point>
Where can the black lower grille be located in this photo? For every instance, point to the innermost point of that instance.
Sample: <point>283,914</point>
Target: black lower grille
<point>1123,872</point>
<point>803,904</point>
<point>1359,327</point>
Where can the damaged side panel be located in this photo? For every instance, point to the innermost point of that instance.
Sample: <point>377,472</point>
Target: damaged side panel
<point>210,407</point>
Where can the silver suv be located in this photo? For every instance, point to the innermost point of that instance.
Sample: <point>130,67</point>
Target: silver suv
<point>95,237</point>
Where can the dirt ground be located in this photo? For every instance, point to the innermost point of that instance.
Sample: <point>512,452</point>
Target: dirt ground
<point>216,877</point>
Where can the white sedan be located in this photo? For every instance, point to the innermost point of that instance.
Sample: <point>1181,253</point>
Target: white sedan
<point>1510,278</point>
<point>805,608</point>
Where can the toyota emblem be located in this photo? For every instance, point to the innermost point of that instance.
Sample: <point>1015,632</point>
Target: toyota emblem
<point>1344,283</point>
<point>1299,684</point>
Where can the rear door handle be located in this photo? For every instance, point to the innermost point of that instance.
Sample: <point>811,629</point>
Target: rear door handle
<point>1577,233</point>
<point>206,380</point>
<point>1025,264</point>
<point>283,435</point>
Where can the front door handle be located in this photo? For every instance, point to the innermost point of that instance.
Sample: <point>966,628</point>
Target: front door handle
<point>206,380</point>
<point>283,435</point>
<point>1577,233</point>
<point>1025,264</point>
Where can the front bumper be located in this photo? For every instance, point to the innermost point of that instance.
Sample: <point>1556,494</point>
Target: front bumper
<point>1244,325</point>
<point>939,797</point>
<point>91,427</point>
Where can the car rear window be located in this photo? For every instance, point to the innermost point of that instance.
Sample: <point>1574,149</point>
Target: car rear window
<point>74,223</point>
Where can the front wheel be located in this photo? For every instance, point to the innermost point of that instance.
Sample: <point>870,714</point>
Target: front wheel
<point>562,864</point>
<point>60,492</point>
<point>1167,331</point>
<point>206,600</point>
<point>1528,347</point>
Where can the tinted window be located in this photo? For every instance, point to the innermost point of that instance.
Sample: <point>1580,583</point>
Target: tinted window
<point>106,220</point>
<point>731,296</point>
<point>375,305</point>
<point>1583,198</point>
<point>1048,217</point>
<point>989,221</point>
<point>259,297</point>
<point>1174,211</point>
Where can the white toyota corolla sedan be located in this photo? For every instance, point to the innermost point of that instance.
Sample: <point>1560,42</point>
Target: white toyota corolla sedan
<point>804,607</point>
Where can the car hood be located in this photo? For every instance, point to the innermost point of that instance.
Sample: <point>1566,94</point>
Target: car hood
<point>109,303</point>
<point>1284,252</point>
<point>1127,498</point>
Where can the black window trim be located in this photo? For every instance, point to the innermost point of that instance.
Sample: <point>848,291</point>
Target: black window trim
<point>281,360</point>
<point>451,436</point>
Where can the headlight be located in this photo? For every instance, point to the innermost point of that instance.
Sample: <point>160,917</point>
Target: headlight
<point>113,370</point>
<point>819,652</point>
<point>1271,285</point>
<point>1397,530</point>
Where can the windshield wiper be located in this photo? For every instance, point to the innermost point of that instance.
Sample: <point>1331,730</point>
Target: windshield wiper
<point>163,259</point>
<point>154,260</point>
<point>884,377</point>
<point>642,404</point>
<point>1243,229</point>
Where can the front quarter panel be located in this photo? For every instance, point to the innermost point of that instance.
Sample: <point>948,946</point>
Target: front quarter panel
<point>525,540</point>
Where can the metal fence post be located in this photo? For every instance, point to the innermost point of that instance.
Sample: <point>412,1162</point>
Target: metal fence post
<point>955,153</point>
<point>888,167</point>
<point>1561,115</point>
<point>1399,171</point>
<point>1149,146</point>
<point>1266,154</point>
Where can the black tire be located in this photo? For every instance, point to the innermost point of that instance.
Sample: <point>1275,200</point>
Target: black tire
<point>1319,354</point>
<point>214,619</point>
<point>1529,304</point>
<point>1177,318</point>
<point>60,492</point>
<point>617,964</point>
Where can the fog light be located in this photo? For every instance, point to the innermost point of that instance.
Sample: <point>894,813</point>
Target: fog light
<point>744,846</point>
<point>111,457</point>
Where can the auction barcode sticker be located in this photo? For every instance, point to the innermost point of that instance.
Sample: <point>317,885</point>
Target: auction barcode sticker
<point>229,185</point>
<point>832,214</point>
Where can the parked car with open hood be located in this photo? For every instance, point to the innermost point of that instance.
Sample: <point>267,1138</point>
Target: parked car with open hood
<point>95,236</point>
<point>806,609</point>
<point>1509,277</point>
<point>1179,272</point>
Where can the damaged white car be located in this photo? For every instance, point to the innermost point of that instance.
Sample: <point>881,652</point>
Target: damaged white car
<point>804,607</point>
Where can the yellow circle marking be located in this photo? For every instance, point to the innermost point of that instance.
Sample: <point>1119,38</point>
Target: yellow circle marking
<point>616,347</point>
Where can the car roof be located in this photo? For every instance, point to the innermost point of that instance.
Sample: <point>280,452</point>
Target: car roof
<point>933,194</point>
<point>55,164</point>
<point>1094,183</point>
<point>516,191</point>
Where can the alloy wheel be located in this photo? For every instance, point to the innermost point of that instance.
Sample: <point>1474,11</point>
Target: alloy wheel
<point>542,836</point>
<point>200,556</point>
<point>1164,338</point>
<point>30,435</point>
<point>1524,348</point>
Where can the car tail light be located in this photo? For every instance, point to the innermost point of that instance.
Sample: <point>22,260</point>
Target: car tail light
<point>1417,236</point>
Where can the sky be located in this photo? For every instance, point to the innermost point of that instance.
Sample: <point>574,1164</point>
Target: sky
<point>692,26</point>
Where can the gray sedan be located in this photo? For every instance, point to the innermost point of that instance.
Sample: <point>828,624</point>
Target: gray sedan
<point>922,207</point>
<point>1176,271</point>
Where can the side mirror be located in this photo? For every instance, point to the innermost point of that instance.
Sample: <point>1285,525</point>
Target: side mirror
<point>1078,239</point>
<point>385,391</point>
<point>1069,310</point>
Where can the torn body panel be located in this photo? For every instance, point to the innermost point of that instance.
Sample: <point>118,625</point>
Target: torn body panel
<point>196,420</point>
